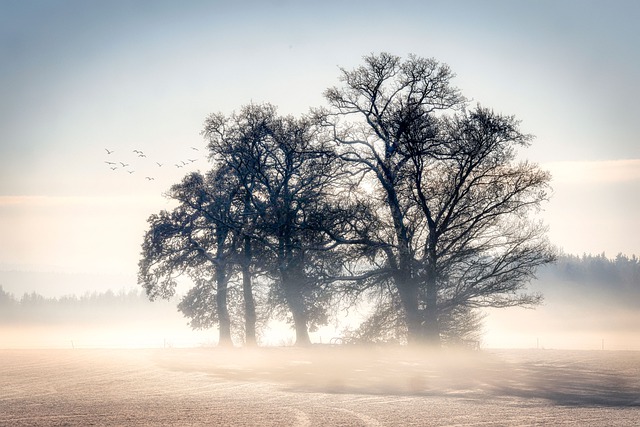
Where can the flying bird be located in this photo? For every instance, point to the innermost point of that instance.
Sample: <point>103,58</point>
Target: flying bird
<point>159,164</point>
<point>192,160</point>
<point>194,148</point>
<point>124,165</point>
<point>142,155</point>
<point>149,178</point>
<point>114,168</point>
<point>110,163</point>
<point>178,166</point>
<point>109,151</point>
<point>131,171</point>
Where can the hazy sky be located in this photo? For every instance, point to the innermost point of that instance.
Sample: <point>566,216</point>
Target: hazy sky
<point>77,77</point>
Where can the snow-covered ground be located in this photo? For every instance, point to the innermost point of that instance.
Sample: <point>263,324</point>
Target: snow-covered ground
<point>321,386</point>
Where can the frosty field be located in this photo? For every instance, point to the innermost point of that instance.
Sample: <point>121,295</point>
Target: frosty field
<point>322,386</point>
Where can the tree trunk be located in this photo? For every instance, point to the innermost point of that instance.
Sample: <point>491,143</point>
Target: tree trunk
<point>295,301</point>
<point>249,302</point>
<point>409,299</point>
<point>250,317</point>
<point>300,322</point>
<point>431,327</point>
<point>404,281</point>
<point>224,322</point>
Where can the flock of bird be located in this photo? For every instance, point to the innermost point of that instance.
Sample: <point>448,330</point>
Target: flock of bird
<point>116,164</point>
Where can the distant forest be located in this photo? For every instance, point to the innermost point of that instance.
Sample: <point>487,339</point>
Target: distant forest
<point>89,308</point>
<point>596,269</point>
<point>614,279</point>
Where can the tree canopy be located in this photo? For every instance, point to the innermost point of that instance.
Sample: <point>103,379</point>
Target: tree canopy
<point>398,188</point>
<point>454,201</point>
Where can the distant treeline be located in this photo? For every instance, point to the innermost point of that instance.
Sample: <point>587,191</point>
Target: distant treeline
<point>595,279</point>
<point>595,269</point>
<point>617,278</point>
<point>89,307</point>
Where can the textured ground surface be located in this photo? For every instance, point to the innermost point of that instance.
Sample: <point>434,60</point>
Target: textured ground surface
<point>317,387</point>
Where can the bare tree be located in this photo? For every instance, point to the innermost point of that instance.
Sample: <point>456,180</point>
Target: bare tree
<point>196,240</point>
<point>236,142</point>
<point>288,174</point>
<point>455,231</point>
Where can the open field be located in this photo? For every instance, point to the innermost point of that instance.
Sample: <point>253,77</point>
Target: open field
<point>322,386</point>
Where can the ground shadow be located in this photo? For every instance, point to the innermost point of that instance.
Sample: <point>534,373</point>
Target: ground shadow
<point>571,378</point>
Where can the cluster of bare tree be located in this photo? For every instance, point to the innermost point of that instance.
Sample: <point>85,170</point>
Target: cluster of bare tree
<point>397,193</point>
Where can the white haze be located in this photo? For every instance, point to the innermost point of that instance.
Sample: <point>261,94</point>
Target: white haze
<point>555,325</point>
<point>578,312</point>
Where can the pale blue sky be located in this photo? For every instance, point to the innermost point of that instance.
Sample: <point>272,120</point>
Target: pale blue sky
<point>79,76</point>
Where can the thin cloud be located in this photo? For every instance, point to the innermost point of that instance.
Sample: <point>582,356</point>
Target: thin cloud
<point>606,171</point>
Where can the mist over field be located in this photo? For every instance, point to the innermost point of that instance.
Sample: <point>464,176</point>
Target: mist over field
<point>121,319</point>
<point>590,303</point>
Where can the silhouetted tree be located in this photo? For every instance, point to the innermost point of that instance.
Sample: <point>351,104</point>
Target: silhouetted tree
<point>289,177</point>
<point>235,142</point>
<point>454,202</point>
<point>196,239</point>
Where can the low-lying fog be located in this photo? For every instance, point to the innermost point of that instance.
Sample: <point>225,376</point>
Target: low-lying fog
<point>134,324</point>
<point>591,303</point>
<point>559,323</point>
